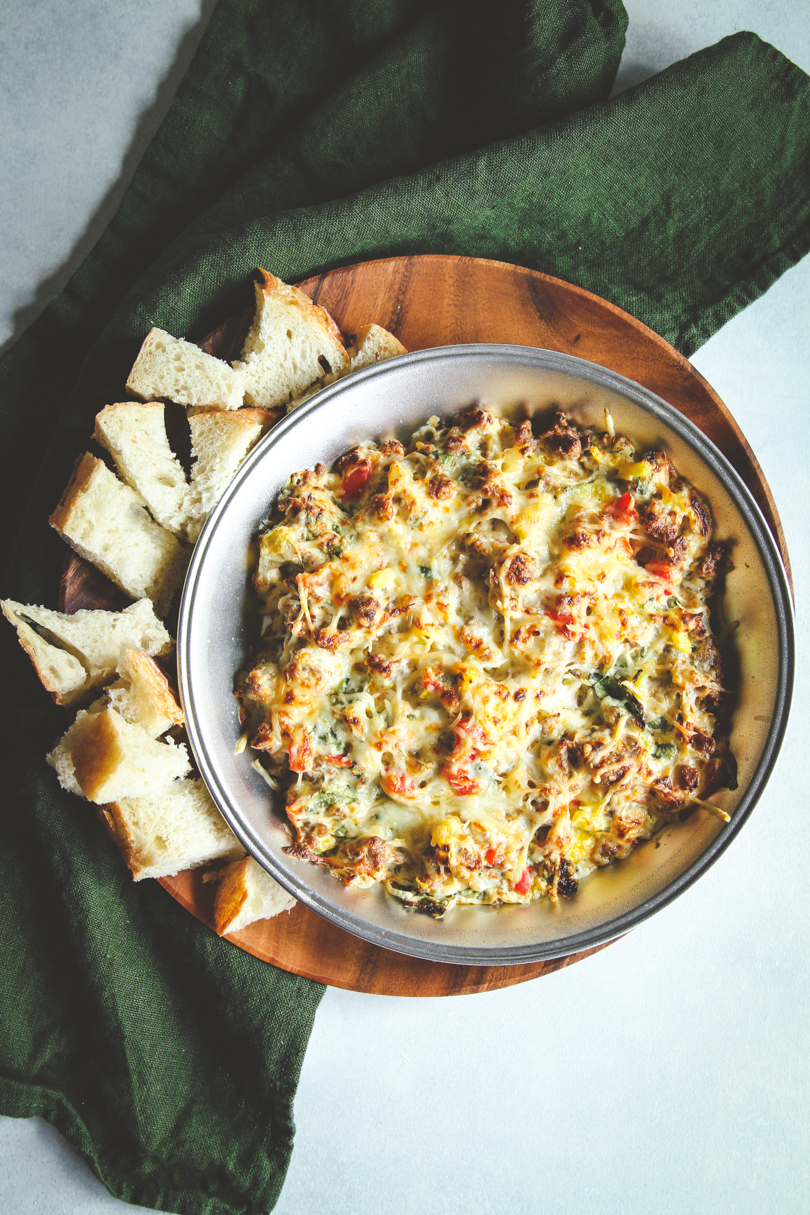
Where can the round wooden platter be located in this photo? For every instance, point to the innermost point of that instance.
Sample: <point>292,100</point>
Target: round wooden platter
<point>438,301</point>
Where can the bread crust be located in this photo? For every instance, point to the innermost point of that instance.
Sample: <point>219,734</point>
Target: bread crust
<point>111,411</point>
<point>291,345</point>
<point>115,825</point>
<point>237,419</point>
<point>156,686</point>
<point>205,380</point>
<point>83,470</point>
<point>270,285</point>
<point>231,896</point>
<point>66,686</point>
<point>373,344</point>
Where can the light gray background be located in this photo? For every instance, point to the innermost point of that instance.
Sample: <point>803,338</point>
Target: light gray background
<point>669,1073</point>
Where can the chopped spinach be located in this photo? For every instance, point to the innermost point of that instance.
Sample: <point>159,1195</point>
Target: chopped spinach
<point>607,687</point>
<point>332,795</point>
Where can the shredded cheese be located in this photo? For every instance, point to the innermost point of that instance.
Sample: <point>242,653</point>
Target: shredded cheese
<point>487,666</point>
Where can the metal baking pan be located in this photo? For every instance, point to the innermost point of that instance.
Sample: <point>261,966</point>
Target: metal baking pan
<point>216,629</point>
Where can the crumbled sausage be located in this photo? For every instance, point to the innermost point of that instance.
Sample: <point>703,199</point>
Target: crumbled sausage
<point>567,884</point>
<point>711,563</point>
<point>659,522</point>
<point>524,439</point>
<point>563,438</point>
<point>687,778</point>
<point>440,487</point>
<point>382,506</point>
<point>366,610</point>
<point>474,418</point>
<point>667,792</point>
<point>382,665</point>
<point>349,458</point>
<point>579,539</point>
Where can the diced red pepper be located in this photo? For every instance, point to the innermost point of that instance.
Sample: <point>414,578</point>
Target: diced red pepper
<point>494,856</point>
<point>397,785</point>
<point>431,683</point>
<point>662,570</point>
<point>471,729</point>
<point>524,884</point>
<point>355,479</point>
<point>623,509</point>
<point>461,781</point>
<point>563,623</point>
<point>341,761</point>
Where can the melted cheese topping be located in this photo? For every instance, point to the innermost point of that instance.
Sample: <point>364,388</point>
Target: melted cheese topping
<point>487,665</point>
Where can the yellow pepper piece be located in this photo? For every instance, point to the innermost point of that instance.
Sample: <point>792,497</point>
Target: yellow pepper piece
<point>681,641</point>
<point>279,544</point>
<point>382,579</point>
<point>641,470</point>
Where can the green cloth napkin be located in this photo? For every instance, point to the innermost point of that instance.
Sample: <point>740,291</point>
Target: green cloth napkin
<point>307,135</point>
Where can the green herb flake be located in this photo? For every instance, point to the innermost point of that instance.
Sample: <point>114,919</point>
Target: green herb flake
<point>665,751</point>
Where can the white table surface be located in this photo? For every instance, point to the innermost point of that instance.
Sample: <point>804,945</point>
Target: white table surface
<point>667,1074</point>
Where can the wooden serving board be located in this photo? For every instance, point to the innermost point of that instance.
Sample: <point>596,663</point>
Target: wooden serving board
<point>439,301</point>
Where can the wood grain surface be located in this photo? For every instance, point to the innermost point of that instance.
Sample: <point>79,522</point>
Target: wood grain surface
<point>437,301</point>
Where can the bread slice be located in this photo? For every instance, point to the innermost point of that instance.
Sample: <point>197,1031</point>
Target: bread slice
<point>74,653</point>
<point>111,758</point>
<point>179,371</point>
<point>219,443</point>
<point>107,522</point>
<point>372,344</point>
<point>135,436</point>
<point>143,695</point>
<point>291,344</point>
<point>247,893</point>
<point>161,834</point>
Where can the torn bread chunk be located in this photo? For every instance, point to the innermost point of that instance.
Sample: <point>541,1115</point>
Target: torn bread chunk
<point>160,834</point>
<point>135,436</point>
<point>219,443</point>
<point>291,344</point>
<point>60,673</point>
<point>72,654</point>
<point>179,371</point>
<point>143,698</point>
<point>373,344</point>
<point>107,523</point>
<point>61,758</point>
<point>143,695</point>
<point>110,758</point>
<point>247,893</point>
